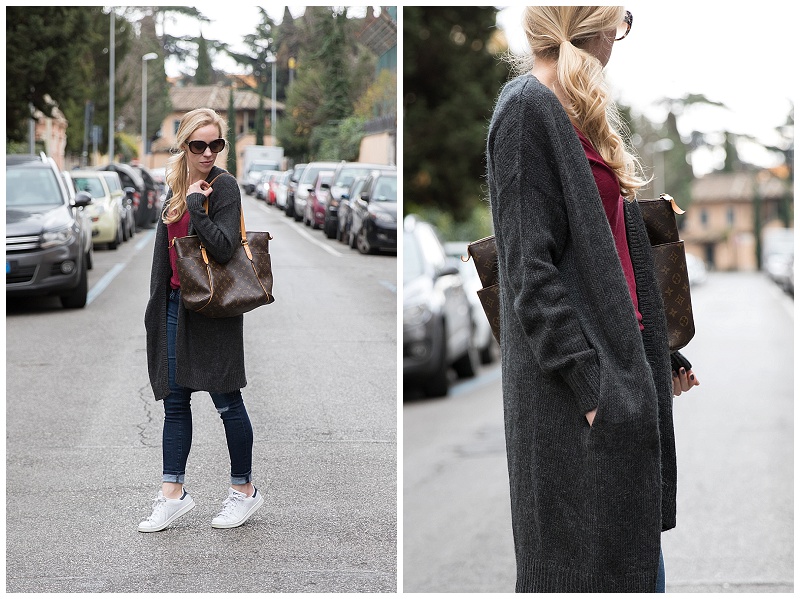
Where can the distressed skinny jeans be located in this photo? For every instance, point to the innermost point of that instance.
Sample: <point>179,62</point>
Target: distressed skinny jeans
<point>177,435</point>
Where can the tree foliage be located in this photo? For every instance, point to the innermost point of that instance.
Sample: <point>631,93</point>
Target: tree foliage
<point>58,56</point>
<point>450,82</point>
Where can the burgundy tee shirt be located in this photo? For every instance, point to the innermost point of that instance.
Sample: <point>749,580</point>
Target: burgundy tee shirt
<point>179,228</point>
<point>608,186</point>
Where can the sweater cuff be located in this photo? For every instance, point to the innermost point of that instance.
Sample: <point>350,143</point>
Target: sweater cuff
<point>194,202</point>
<point>584,380</point>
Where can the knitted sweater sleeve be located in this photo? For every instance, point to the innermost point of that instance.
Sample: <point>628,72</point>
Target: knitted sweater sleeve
<point>219,228</point>
<point>525,159</point>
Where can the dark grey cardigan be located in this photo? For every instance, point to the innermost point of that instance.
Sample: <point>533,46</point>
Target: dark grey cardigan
<point>209,351</point>
<point>588,503</point>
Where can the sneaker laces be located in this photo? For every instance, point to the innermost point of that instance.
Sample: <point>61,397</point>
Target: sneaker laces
<point>230,503</point>
<point>158,504</point>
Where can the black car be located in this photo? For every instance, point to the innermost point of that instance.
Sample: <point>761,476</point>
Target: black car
<point>45,240</point>
<point>290,193</point>
<point>343,215</point>
<point>374,214</point>
<point>152,193</point>
<point>343,177</point>
<point>437,316</point>
<point>132,177</point>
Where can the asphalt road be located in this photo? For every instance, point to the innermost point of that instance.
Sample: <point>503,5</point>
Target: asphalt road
<point>83,434</point>
<point>734,435</point>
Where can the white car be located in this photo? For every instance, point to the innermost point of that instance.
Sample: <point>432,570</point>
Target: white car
<point>282,189</point>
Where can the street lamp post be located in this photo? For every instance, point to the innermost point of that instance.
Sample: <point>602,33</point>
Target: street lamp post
<point>145,58</point>
<point>273,116</point>
<point>658,148</point>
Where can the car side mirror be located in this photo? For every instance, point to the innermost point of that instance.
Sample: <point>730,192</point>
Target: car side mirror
<point>344,196</point>
<point>82,199</point>
<point>365,196</point>
<point>325,185</point>
<point>447,270</point>
<point>129,191</point>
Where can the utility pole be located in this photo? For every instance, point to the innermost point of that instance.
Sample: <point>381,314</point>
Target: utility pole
<point>111,76</point>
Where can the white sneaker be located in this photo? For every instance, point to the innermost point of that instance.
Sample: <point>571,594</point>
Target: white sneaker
<point>237,508</point>
<point>165,511</point>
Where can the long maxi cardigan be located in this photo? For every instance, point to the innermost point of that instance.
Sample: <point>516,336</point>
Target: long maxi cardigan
<point>209,351</point>
<point>589,503</point>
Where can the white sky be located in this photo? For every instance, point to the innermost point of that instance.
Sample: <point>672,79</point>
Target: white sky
<point>230,23</point>
<point>743,57</point>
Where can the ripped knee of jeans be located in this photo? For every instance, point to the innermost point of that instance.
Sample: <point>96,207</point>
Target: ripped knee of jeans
<point>223,409</point>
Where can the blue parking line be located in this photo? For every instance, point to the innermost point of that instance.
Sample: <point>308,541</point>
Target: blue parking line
<point>479,381</point>
<point>142,242</point>
<point>104,281</point>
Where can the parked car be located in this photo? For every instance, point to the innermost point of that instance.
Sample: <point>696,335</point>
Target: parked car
<point>128,215</point>
<point>291,190</point>
<point>106,210</point>
<point>282,189</point>
<point>373,214</point>
<point>483,339</point>
<point>343,215</point>
<point>343,177</point>
<point>262,186</point>
<point>152,194</point>
<point>45,251</point>
<point>696,269</point>
<point>254,171</point>
<point>305,183</point>
<point>132,178</point>
<point>315,203</point>
<point>80,214</point>
<point>437,316</point>
<point>160,178</point>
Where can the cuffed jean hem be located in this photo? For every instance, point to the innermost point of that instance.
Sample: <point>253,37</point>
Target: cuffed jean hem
<point>241,480</point>
<point>173,478</point>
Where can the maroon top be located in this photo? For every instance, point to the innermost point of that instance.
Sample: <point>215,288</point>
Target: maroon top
<point>608,186</point>
<point>179,228</point>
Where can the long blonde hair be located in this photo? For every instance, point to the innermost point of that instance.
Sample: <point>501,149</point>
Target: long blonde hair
<point>557,33</point>
<point>177,169</point>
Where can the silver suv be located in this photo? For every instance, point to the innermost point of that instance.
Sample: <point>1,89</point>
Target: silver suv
<point>45,238</point>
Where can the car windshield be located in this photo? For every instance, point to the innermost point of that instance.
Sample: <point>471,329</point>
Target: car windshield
<point>347,175</point>
<point>412,258</point>
<point>92,185</point>
<point>386,190</point>
<point>32,187</point>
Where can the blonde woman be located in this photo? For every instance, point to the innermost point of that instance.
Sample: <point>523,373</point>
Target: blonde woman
<point>587,385</point>
<point>187,351</point>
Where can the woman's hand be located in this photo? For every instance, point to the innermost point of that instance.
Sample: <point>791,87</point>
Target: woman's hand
<point>590,416</point>
<point>200,187</point>
<point>683,380</point>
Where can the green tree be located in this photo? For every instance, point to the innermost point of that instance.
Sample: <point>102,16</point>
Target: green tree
<point>204,74</point>
<point>450,82</point>
<point>231,137</point>
<point>261,48</point>
<point>59,58</point>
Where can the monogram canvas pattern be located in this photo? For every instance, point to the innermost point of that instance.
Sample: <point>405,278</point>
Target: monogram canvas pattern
<point>223,290</point>
<point>490,300</point>
<point>484,253</point>
<point>659,219</point>
<point>673,279</point>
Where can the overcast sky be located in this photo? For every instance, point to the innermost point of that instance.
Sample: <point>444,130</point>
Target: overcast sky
<point>745,59</point>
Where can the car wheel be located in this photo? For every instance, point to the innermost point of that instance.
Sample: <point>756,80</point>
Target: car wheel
<point>77,299</point>
<point>362,243</point>
<point>289,210</point>
<point>330,230</point>
<point>467,365</point>
<point>438,384</point>
<point>351,240</point>
<point>112,245</point>
<point>125,235</point>
<point>90,258</point>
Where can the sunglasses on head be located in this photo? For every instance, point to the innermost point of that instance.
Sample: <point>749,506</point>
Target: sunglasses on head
<point>198,147</point>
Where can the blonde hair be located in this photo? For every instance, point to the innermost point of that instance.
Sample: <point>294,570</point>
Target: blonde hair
<point>177,169</point>
<point>557,33</point>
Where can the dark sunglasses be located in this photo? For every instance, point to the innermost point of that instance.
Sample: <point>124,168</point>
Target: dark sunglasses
<point>624,28</point>
<point>199,147</point>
